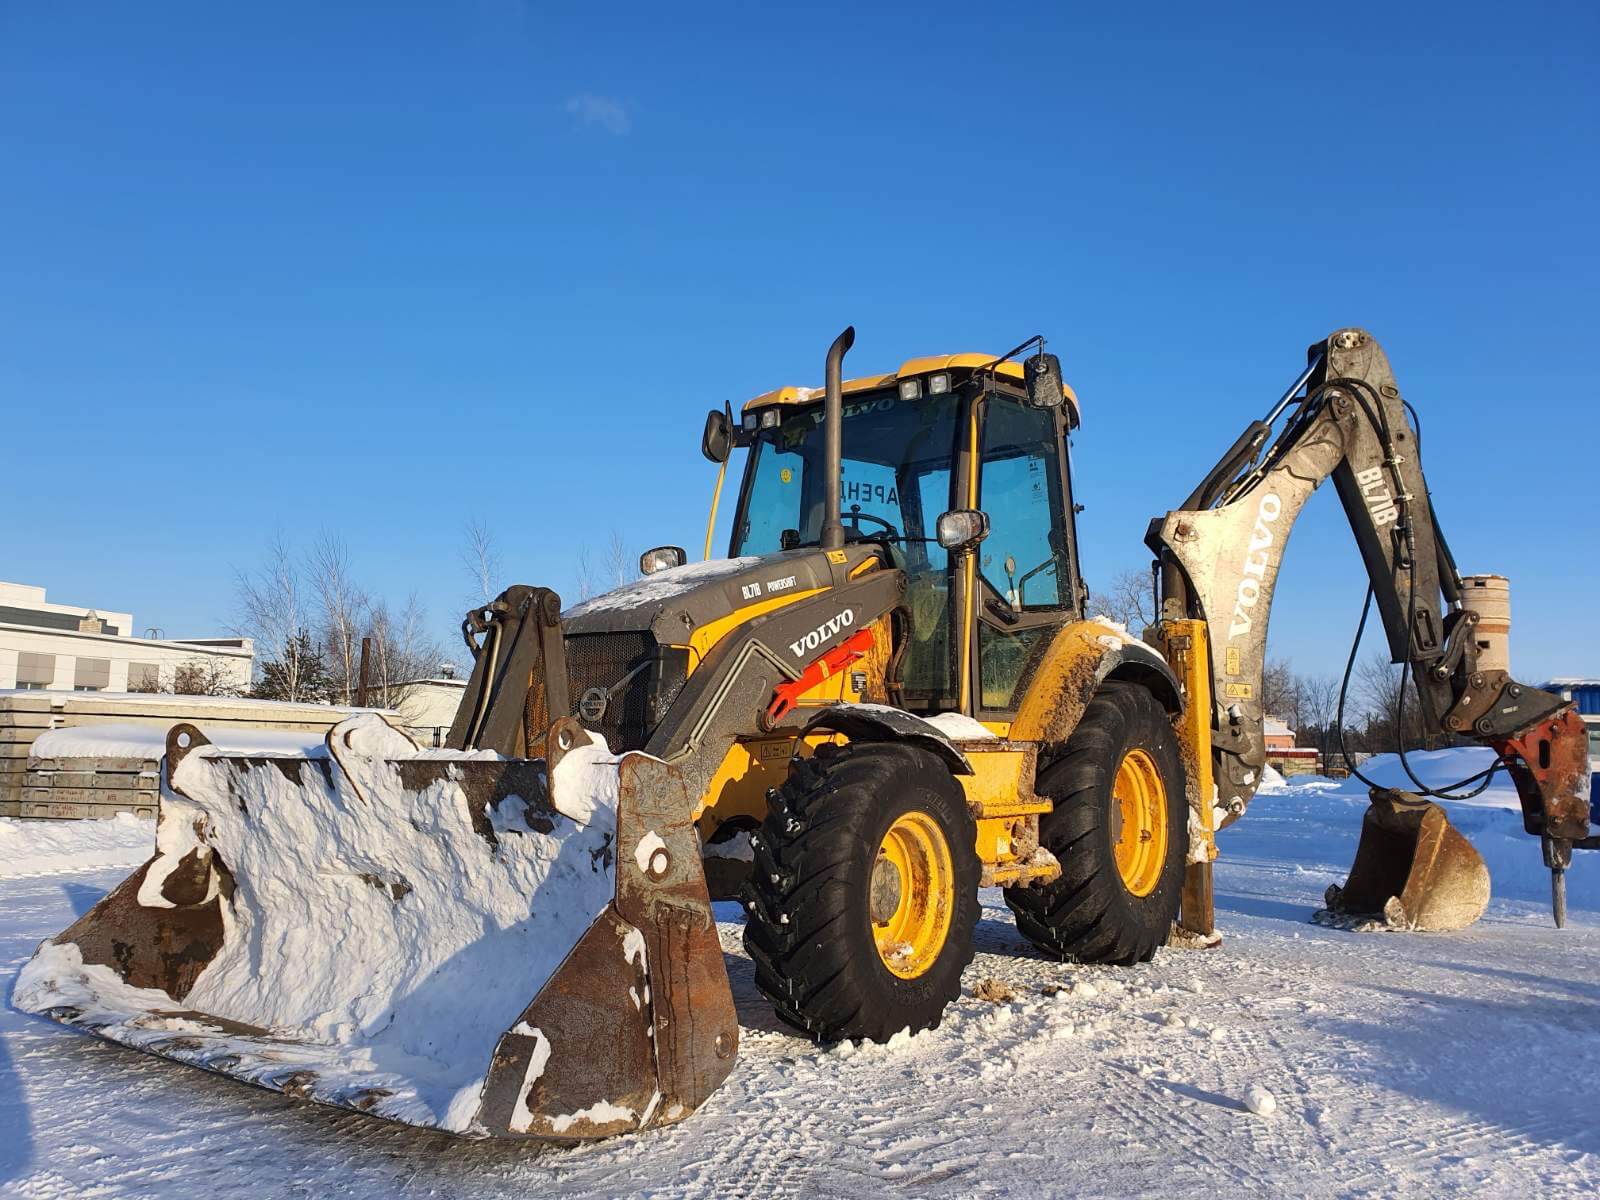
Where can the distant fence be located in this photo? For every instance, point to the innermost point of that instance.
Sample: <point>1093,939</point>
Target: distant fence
<point>95,779</point>
<point>1296,761</point>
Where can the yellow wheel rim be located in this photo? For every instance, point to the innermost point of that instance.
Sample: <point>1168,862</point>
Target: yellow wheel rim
<point>1140,799</point>
<point>910,892</point>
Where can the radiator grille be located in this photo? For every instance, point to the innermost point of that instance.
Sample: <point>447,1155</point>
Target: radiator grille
<point>643,683</point>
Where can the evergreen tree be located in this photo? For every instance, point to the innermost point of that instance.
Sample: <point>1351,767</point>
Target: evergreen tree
<point>298,674</point>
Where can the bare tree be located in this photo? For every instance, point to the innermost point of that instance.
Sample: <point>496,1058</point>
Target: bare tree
<point>343,612</point>
<point>1318,697</point>
<point>621,567</point>
<point>325,665</point>
<point>1377,685</point>
<point>272,611</point>
<point>1377,689</point>
<point>614,569</point>
<point>402,653</point>
<point>481,558</point>
<point>586,574</point>
<point>1279,694</point>
<point>1130,599</point>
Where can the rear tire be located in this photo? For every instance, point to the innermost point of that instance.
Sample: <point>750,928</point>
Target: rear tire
<point>864,894</point>
<point>1111,905</point>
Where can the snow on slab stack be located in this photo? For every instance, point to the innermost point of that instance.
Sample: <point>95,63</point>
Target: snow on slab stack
<point>101,770</point>
<point>46,770</point>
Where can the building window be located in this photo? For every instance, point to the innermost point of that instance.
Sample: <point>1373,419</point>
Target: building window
<point>91,674</point>
<point>35,672</point>
<point>144,677</point>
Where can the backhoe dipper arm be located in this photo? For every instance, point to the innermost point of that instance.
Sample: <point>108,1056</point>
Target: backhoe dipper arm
<point>1218,560</point>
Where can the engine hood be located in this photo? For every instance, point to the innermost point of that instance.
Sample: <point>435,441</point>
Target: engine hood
<point>671,604</point>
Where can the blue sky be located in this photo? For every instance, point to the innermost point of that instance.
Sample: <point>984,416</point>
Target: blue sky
<point>386,269</point>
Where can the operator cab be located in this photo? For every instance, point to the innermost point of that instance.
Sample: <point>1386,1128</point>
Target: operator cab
<point>954,436</point>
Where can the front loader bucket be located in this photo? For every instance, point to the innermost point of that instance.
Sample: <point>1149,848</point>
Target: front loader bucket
<point>488,946</point>
<point>1413,870</point>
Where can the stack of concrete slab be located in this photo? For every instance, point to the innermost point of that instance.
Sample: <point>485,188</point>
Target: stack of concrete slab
<point>74,786</point>
<point>73,754</point>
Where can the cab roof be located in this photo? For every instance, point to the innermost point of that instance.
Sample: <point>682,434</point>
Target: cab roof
<point>927,365</point>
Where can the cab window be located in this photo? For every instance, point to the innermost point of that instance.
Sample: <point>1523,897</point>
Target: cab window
<point>1024,558</point>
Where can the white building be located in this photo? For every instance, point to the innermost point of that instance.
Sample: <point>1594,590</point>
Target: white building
<point>428,706</point>
<point>67,648</point>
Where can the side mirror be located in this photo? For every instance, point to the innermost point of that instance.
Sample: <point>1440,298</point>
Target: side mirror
<point>962,528</point>
<point>716,443</point>
<point>1041,375</point>
<point>662,558</point>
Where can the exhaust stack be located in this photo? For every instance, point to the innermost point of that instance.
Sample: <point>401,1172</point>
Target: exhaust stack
<point>833,439</point>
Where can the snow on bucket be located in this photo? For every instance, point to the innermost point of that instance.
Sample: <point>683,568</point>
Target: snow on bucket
<point>443,938</point>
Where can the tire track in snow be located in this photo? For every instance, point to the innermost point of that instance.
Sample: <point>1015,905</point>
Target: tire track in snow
<point>1169,1127</point>
<point>766,1149</point>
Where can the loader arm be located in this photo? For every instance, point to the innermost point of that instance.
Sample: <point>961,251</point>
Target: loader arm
<point>1218,558</point>
<point>518,686</point>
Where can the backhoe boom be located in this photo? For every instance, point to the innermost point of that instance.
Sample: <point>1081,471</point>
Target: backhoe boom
<point>1218,560</point>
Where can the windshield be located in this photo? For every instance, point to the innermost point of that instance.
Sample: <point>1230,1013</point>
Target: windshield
<point>895,482</point>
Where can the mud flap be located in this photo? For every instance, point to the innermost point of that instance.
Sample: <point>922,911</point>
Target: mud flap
<point>631,1022</point>
<point>1413,870</point>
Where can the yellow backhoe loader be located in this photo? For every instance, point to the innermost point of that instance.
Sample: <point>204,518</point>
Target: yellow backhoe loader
<point>889,695</point>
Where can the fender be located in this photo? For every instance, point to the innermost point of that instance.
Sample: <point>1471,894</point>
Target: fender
<point>1082,656</point>
<point>880,723</point>
<point>1139,662</point>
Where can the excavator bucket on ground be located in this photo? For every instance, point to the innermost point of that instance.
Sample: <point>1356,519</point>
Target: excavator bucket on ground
<point>1413,870</point>
<point>458,940</point>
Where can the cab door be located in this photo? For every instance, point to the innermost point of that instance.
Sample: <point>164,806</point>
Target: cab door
<point>1024,574</point>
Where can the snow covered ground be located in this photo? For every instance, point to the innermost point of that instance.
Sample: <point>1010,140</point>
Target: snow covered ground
<point>51,847</point>
<point>1400,1064</point>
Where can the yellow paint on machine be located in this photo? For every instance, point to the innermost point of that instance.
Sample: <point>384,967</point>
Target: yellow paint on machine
<point>716,498</point>
<point>708,635</point>
<point>969,569</point>
<point>927,365</point>
<point>1141,798</point>
<point>739,786</point>
<point>1187,653</point>
<point>1060,689</point>
<point>1000,794</point>
<point>1001,781</point>
<point>910,937</point>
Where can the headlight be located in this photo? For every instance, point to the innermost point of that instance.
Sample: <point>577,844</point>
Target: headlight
<point>662,558</point>
<point>962,527</point>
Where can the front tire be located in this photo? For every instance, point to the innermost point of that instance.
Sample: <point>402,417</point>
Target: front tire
<point>1120,828</point>
<point>864,893</point>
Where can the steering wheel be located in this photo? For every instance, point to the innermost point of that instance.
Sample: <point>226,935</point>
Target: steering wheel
<point>855,516</point>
